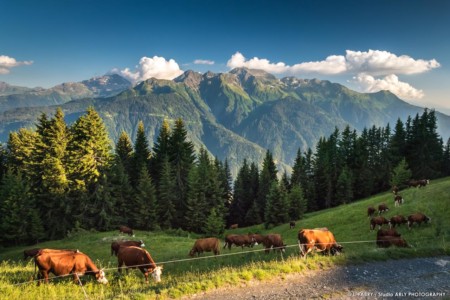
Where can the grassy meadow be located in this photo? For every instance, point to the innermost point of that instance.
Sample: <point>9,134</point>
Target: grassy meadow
<point>183,276</point>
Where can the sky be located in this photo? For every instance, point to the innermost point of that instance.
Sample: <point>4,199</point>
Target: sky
<point>397,45</point>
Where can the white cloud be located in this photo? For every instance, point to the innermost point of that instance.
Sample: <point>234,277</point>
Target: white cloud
<point>203,62</point>
<point>372,62</point>
<point>6,63</point>
<point>390,82</point>
<point>157,67</point>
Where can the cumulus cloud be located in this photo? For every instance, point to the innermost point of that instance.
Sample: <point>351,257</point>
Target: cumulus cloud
<point>203,62</point>
<point>372,62</point>
<point>390,82</point>
<point>6,63</point>
<point>157,67</point>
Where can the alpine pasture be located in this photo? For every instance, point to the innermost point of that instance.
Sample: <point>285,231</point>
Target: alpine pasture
<point>183,275</point>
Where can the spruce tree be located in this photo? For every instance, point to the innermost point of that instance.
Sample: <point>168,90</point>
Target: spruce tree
<point>277,209</point>
<point>141,155</point>
<point>166,196</point>
<point>214,225</point>
<point>160,151</point>
<point>124,151</point>
<point>344,191</point>
<point>267,176</point>
<point>146,210</point>
<point>401,175</point>
<point>196,203</point>
<point>297,203</point>
<point>121,191</point>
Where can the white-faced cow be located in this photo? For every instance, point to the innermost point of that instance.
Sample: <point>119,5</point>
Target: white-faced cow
<point>126,230</point>
<point>117,244</point>
<point>382,208</point>
<point>398,200</point>
<point>397,220</point>
<point>137,258</point>
<point>418,218</point>
<point>273,241</point>
<point>64,262</point>
<point>240,240</point>
<point>390,237</point>
<point>395,189</point>
<point>320,240</point>
<point>291,224</point>
<point>378,220</point>
<point>205,245</point>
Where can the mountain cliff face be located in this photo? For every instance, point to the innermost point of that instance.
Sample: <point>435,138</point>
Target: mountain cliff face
<point>234,115</point>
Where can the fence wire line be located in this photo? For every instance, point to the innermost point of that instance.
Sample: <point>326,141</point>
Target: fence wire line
<point>205,257</point>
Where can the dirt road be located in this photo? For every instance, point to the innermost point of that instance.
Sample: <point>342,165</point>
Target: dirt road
<point>419,278</point>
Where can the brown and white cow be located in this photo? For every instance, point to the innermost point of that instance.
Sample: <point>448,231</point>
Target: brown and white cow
<point>378,220</point>
<point>242,240</point>
<point>397,220</point>
<point>385,241</point>
<point>398,200</point>
<point>395,189</point>
<point>257,239</point>
<point>382,208</point>
<point>63,262</point>
<point>291,224</point>
<point>117,244</point>
<point>205,245</point>
<point>319,240</point>
<point>386,232</point>
<point>137,258</point>
<point>273,241</point>
<point>418,218</point>
<point>423,182</point>
<point>370,211</point>
<point>126,229</point>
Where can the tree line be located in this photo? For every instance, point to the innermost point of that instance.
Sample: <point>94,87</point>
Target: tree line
<point>57,178</point>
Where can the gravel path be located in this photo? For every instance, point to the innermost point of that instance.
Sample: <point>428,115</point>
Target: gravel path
<point>418,278</point>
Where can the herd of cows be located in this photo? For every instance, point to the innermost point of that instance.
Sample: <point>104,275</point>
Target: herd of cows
<point>131,254</point>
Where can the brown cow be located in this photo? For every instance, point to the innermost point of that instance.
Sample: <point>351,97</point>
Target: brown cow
<point>413,183</point>
<point>382,208</point>
<point>137,258</point>
<point>378,220</point>
<point>127,230</point>
<point>291,224</point>
<point>273,241</point>
<point>389,240</point>
<point>234,226</point>
<point>257,238</point>
<point>385,232</point>
<point>206,245</point>
<point>417,218</point>
<point>66,262</point>
<point>243,240</point>
<point>320,240</point>
<point>423,182</point>
<point>370,211</point>
<point>30,252</point>
<point>395,189</point>
<point>117,244</point>
<point>397,220</point>
<point>398,200</point>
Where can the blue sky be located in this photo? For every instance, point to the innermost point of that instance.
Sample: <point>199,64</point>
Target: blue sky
<point>400,45</point>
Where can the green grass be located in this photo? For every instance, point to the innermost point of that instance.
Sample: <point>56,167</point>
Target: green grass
<point>181,276</point>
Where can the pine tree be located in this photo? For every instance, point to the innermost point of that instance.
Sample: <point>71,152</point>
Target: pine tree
<point>297,203</point>
<point>344,191</point>
<point>124,151</point>
<point>214,225</point>
<point>267,176</point>
<point>276,211</point>
<point>181,158</point>
<point>3,155</point>
<point>101,211</point>
<point>160,151</point>
<point>146,212</point>
<point>20,147</point>
<point>196,203</point>
<point>141,155</point>
<point>121,191</point>
<point>401,175</point>
<point>166,196</point>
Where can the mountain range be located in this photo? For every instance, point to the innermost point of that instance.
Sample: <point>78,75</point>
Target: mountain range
<point>234,115</point>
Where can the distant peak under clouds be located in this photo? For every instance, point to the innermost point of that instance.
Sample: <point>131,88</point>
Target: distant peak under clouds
<point>6,63</point>
<point>157,67</point>
<point>203,62</point>
<point>363,65</point>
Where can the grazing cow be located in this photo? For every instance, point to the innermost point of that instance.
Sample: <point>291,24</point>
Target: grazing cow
<point>206,245</point>
<point>234,226</point>
<point>378,220</point>
<point>395,189</point>
<point>413,183</point>
<point>370,211</point>
<point>417,218</point>
<point>257,238</point>
<point>117,244</point>
<point>320,240</point>
<point>137,258</point>
<point>385,232</point>
<point>389,240</point>
<point>291,224</point>
<point>243,240</point>
<point>423,182</point>
<point>398,200</point>
<point>273,241</point>
<point>127,230</point>
<point>30,252</point>
<point>397,220</point>
<point>382,208</point>
<point>63,262</point>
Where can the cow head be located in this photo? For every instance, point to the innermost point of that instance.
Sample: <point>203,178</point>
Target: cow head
<point>337,249</point>
<point>101,277</point>
<point>156,273</point>
<point>142,243</point>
